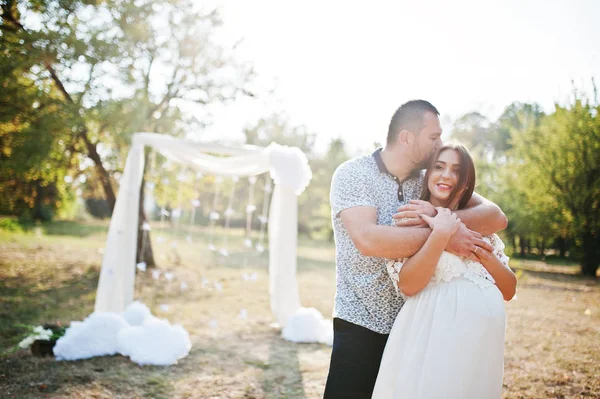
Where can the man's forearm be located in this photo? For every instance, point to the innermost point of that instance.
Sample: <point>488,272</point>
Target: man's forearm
<point>486,218</point>
<point>392,242</point>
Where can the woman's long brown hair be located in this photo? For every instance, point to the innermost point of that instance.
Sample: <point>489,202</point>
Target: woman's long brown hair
<point>466,175</point>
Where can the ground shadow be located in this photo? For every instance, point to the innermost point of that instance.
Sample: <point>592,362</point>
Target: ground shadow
<point>283,378</point>
<point>74,228</point>
<point>26,301</point>
<point>30,377</point>
<point>551,280</point>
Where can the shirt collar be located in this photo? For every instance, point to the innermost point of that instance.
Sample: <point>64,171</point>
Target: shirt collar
<point>380,164</point>
<point>384,170</point>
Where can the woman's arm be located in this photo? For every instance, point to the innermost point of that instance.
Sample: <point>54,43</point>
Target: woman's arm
<point>506,281</point>
<point>418,270</point>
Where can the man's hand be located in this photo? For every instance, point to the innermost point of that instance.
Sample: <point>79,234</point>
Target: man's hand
<point>464,242</point>
<point>409,215</point>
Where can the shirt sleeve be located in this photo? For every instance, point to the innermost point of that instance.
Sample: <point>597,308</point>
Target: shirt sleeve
<point>349,188</point>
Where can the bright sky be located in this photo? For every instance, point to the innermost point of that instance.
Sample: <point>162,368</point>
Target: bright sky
<point>342,68</point>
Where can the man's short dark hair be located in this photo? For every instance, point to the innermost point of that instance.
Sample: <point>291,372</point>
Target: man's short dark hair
<point>409,117</point>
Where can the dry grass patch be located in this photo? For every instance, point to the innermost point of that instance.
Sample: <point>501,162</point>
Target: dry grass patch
<point>552,348</point>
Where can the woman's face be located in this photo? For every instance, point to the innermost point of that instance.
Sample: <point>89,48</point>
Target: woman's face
<point>443,179</point>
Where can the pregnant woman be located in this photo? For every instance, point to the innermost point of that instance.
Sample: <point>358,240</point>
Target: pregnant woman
<point>448,338</point>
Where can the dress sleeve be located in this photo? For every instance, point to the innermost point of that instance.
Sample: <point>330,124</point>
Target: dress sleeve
<point>393,267</point>
<point>499,252</point>
<point>499,249</point>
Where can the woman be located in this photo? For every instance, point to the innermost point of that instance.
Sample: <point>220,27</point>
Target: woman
<point>448,339</point>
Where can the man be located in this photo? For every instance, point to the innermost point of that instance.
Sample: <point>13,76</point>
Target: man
<point>365,193</point>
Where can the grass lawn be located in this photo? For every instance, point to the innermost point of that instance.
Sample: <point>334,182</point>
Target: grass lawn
<point>50,274</point>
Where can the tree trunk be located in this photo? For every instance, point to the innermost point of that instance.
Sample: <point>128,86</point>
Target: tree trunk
<point>591,255</point>
<point>144,250</point>
<point>562,246</point>
<point>543,249</point>
<point>522,245</point>
<point>513,240</point>
<point>92,152</point>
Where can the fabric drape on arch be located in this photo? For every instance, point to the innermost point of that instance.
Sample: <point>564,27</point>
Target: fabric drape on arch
<point>291,173</point>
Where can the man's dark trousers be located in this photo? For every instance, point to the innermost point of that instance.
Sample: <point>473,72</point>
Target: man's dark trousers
<point>355,360</point>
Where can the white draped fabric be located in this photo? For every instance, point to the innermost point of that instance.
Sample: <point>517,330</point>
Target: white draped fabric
<point>291,173</point>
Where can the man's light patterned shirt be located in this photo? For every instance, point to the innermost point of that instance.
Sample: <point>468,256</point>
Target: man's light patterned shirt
<point>365,295</point>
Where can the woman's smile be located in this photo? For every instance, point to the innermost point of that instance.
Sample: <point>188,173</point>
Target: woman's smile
<point>444,187</point>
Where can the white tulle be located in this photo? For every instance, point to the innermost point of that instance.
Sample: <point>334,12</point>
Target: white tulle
<point>289,166</point>
<point>97,335</point>
<point>134,333</point>
<point>156,342</point>
<point>308,325</point>
<point>290,171</point>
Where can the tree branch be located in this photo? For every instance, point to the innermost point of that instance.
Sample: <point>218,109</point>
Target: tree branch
<point>58,82</point>
<point>8,16</point>
<point>168,96</point>
<point>87,84</point>
<point>147,76</point>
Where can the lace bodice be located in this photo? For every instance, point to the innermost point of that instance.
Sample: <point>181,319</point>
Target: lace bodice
<point>451,266</point>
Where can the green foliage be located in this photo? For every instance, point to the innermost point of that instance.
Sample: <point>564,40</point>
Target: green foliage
<point>543,171</point>
<point>559,172</point>
<point>34,146</point>
<point>13,225</point>
<point>79,77</point>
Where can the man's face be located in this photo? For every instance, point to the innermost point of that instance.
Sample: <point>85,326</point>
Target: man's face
<point>427,141</point>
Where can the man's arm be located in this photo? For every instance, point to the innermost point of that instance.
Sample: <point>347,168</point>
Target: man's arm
<point>483,216</point>
<point>372,239</point>
<point>392,242</point>
<point>480,215</point>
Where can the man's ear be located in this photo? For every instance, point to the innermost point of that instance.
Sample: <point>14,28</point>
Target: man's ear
<point>405,137</point>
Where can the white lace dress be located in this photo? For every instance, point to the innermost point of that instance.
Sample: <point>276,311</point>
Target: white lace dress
<point>448,340</point>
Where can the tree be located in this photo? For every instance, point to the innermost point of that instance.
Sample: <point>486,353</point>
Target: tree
<point>472,130</point>
<point>559,168</point>
<point>277,128</point>
<point>119,67</point>
<point>323,170</point>
<point>500,182</point>
<point>36,150</point>
<point>516,117</point>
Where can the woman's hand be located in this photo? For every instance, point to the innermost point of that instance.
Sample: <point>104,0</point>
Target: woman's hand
<point>483,255</point>
<point>506,281</point>
<point>445,222</point>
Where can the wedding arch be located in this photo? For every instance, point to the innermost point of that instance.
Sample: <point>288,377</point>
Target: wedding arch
<point>288,166</point>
